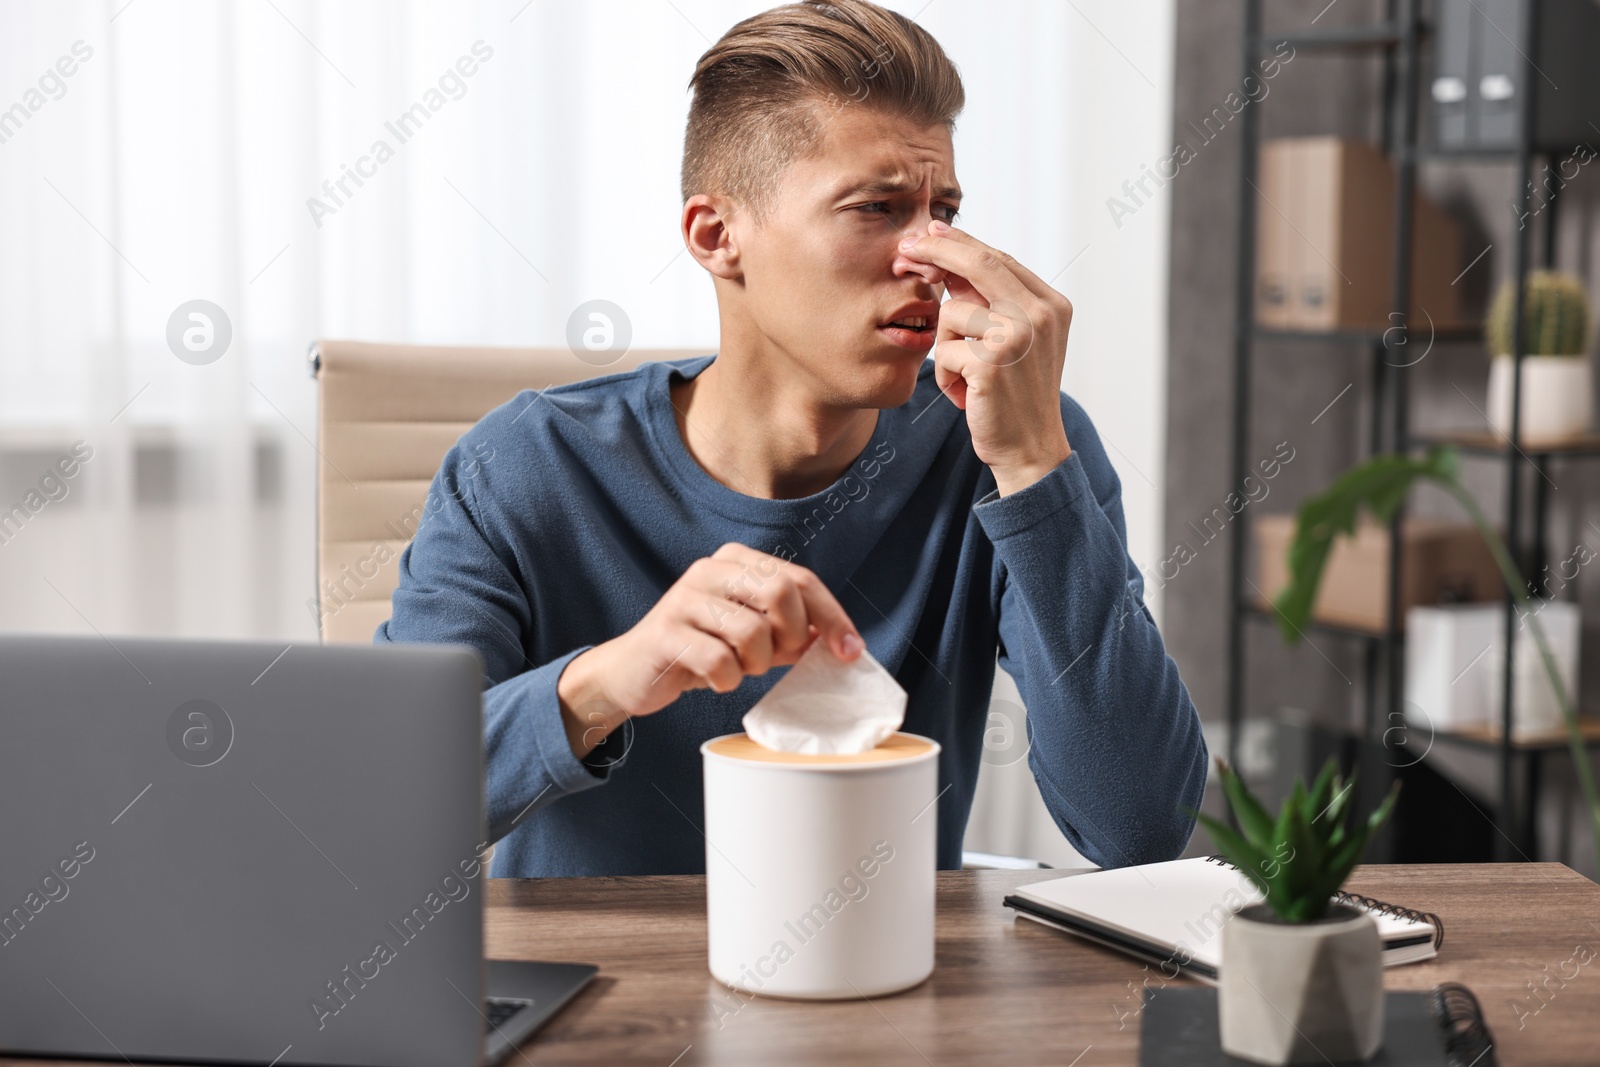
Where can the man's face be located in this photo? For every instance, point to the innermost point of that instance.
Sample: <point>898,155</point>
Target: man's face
<point>825,275</point>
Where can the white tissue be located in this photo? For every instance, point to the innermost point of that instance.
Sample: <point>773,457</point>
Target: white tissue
<point>825,705</point>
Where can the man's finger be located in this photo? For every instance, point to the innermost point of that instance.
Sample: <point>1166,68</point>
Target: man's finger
<point>994,330</point>
<point>1034,284</point>
<point>749,633</point>
<point>825,612</point>
<point>794,632</point>
<point>983,267</point>
<point>963,318</point>
<point>710,659</point>
<point>950,381</point>
<point>742,577</point>
<point>766,574</point>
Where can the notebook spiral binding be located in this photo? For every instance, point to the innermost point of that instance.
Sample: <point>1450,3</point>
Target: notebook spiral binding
<point>1370,904</point>
<point>1467,1040</point>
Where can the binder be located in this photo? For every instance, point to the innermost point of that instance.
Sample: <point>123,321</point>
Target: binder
<point>1275,241</point>
<point>1443,1027</point>
<point>1325,280</point>
<point>1475,97</point>
<point>1171,914</point>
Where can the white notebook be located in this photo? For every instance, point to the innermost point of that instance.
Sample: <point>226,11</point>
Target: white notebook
<point>1172,913</point>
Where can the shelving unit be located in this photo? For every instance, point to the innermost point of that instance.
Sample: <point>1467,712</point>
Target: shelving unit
<point>1400,38</point>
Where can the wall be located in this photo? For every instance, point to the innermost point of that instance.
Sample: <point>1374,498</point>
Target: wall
<point>1095,106</point>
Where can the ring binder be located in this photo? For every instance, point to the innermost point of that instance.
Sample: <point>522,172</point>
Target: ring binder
<point>1440,1028</point>
<point>1371,904</point>
<point>1467,1040</point>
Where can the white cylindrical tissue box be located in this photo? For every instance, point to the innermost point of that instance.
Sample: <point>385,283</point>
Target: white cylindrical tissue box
<point>820,868</point>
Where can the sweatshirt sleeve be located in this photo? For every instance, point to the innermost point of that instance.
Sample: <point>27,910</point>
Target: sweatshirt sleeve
<point>1114,740</point>
<point>458,585</point>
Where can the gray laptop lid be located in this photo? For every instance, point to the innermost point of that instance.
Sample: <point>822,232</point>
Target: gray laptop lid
<point>233,851</point>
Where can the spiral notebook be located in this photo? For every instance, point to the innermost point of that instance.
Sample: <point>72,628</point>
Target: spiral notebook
<point>1171,914</point>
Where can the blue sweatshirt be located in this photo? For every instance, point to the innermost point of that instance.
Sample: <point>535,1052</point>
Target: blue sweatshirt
<point>561,518</point>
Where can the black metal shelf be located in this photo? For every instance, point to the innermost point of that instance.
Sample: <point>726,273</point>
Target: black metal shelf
<point>1256,611</point>
<point>1374,36</point>
<point>1398,41</point>
<point>1491,445</point>
<point>1457,156</point>
<point>1555,741</point>
<point>1373,337</point>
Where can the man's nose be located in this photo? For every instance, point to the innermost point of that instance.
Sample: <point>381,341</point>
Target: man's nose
<point>926,271</point>
<point>904,264</point>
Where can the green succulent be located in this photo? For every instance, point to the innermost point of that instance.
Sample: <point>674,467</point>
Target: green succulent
<point>1555,316</point>
<point>1300,861</point>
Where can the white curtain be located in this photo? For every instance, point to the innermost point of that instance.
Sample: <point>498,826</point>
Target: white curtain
<point>154,153</point>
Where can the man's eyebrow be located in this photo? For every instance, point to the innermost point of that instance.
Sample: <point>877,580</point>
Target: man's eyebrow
<point>895,185</point>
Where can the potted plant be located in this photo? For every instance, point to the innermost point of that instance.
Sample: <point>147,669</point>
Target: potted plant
<point>1380,485</point>
<point>1556,387</point>
<point>1302,977</point>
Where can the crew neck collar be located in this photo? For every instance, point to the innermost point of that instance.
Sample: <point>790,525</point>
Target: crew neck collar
<point>694,481</point>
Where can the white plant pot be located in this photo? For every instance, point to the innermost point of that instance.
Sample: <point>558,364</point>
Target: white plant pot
<point>1291,993</point>
<point>1556,396</point>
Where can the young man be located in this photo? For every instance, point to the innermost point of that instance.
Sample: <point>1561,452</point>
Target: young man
<point>647,546</point>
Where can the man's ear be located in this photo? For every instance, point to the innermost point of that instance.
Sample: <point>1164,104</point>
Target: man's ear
<point>708,236</point>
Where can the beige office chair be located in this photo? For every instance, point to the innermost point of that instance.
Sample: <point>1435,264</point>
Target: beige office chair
<point>387,414</point>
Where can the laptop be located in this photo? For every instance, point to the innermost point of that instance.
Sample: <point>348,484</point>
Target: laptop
<point>253,853</point>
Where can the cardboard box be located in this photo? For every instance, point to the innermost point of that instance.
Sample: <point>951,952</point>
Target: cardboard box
<point>1441,562</point>
<point>1325,233</point>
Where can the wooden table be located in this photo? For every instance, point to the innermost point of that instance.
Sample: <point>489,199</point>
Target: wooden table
<point>1006,990</point>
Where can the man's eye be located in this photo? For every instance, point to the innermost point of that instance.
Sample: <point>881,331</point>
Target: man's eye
<point>872,209</point>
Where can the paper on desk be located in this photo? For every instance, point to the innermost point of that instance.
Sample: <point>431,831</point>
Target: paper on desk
<point>825,705</point>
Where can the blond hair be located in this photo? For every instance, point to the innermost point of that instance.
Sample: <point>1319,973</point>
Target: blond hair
<point>763,93</point>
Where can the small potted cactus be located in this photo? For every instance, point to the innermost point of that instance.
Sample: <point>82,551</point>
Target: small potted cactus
<point>1301,979</point>
<point>1556,387</point>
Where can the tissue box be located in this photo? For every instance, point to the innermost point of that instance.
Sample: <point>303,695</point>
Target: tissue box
<point>1440,561</point>
<point>1455,656</point>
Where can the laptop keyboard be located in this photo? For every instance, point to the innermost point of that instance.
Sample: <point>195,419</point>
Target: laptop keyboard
<point>499,1009</point>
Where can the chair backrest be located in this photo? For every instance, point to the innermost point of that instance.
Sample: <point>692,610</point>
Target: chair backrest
<point>387,414</point>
